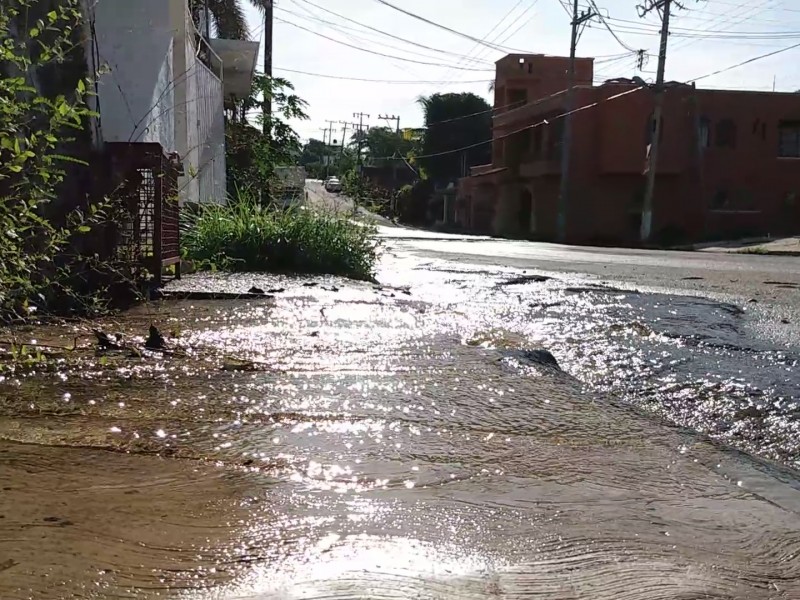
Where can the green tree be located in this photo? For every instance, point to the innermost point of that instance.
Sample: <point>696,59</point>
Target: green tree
<point>312,152</point>
<point>47,260</point>
<point>251,155</point>
<point>228,16</point>
<point>382,142</point>
<point>454,121</point>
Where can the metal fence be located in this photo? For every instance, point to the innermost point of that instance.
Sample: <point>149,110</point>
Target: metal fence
<point>211,134</point>
<point>145,181</point>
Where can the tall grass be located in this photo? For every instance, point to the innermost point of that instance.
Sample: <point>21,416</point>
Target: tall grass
<point>246,236</point>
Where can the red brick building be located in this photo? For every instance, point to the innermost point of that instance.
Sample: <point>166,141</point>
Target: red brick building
<point>729,161</point>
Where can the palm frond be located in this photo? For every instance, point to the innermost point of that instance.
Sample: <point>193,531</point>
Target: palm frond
<point>230,19</point>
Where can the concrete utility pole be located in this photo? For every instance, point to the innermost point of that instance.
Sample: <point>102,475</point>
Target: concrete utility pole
<point>324,131</point>
<point>360,137</point>
<point>663,7</point>
<point>330,144</point>
<point>267,60</point>
<point>345,126</point>
<point>566,140</point>
<point>387,118</point>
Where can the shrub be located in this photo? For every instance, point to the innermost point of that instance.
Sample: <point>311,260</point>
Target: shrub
<point>41,135</point>
<point>246,236</point>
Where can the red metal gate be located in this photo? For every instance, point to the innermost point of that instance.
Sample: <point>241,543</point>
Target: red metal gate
<point>146,181</point>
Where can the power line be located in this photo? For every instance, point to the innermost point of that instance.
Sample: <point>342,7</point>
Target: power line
<point>491,31</point>
<point>419,62</point>
<point>342,29</point>
<point>449,29</point>
<point>599,15</point>
<point>368,27</point>
<point>392,81</point>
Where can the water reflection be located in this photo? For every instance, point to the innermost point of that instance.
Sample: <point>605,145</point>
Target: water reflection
<point>374,443</point>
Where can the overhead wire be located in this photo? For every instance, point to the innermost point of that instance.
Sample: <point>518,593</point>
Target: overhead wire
<point>613,33</point>
<point>340,29</point>
<point>596,103</point>
<point>491,31</point>
<point>448,29</point>
<point>375,52</point>
<point>377,30</point>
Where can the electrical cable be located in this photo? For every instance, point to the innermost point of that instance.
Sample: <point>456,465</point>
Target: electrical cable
<point>419,62</point>
<point>593,104</point>
<point>449,29</point>
<point>607,26</point>
<point>380,31</point>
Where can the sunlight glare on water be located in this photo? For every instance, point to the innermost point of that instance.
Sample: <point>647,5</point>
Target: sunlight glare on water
<point>414,440</point>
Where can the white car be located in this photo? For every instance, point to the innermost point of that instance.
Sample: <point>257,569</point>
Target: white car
<point>333,185</point>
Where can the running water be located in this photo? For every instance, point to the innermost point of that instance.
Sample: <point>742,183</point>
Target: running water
<point>480,433</point>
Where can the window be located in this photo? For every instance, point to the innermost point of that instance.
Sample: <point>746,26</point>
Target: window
<point>726,134</point>
<point>704,132</point>
<point>789,139</point>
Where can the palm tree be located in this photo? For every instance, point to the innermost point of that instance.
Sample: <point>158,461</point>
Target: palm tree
<point>228,16</point>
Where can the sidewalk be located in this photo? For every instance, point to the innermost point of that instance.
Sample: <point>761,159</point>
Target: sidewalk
<point>789,246</point>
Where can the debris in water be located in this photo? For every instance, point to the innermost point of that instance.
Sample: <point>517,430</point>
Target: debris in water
<point>241,365</point>
<point>155,341</point>
<point>256,290</point>
<point>104,341</point>
<point>310,284</point>
<point>276,291</point>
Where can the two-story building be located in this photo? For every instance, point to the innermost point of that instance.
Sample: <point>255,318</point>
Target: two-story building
<point>729,161</point>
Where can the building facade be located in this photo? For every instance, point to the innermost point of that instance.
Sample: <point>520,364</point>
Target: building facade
<point>729,161</point>
<point>153,87</point>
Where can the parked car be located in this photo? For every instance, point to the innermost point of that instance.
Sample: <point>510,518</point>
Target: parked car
<point>333,185</point>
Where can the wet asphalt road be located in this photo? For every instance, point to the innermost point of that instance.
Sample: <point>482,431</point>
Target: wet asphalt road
<point>410,440</point>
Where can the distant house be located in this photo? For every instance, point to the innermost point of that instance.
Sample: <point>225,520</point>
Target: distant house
<point>161,83</point>
<point>728,161</point>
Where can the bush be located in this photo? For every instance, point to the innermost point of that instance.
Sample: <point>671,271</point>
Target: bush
<point>48,262</point>
<point>245,236</point>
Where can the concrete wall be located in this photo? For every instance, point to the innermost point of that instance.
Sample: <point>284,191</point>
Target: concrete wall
<point>154,89</point>
<point>133,46</point>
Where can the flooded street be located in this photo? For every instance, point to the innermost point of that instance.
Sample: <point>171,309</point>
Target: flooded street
<point>495,420</point>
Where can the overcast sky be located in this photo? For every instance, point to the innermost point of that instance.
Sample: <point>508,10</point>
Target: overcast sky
<point>706,37</point>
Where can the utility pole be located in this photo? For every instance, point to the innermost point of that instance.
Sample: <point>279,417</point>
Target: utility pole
<point>267,60</point>
<point>345,126</point>
<point>330,144</point>
<point>387,118</point>
<point>566,140</point>
<point>663,7</point>
<point>360,137</point>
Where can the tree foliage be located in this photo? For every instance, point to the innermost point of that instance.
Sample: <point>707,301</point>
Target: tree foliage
<point>228,16</point>
<point>35,129</point>
<point>251,154</point>
<point>453,121</point>
<point>383,142</point>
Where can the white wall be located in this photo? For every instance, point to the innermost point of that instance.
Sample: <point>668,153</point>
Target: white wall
<point>155,90</point>
<point>134,43</point>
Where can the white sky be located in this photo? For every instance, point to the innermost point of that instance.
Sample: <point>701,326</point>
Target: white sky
<point>708,36</point>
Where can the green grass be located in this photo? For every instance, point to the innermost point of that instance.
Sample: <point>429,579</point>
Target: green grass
<point>245,236</point>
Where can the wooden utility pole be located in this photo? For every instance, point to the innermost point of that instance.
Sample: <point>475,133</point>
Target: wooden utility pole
<point>267,61</point>
<point>663,7</point>
<point>566,140</point>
